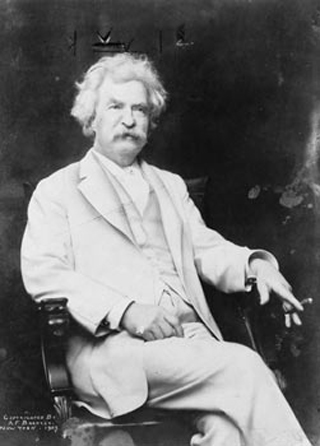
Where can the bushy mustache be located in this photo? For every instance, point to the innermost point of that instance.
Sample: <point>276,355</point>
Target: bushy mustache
<point>134,135</point>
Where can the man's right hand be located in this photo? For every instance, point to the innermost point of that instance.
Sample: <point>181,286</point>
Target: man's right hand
<point>150,322</point>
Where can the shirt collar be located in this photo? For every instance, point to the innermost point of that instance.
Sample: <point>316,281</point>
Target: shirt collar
<point>114,168</point>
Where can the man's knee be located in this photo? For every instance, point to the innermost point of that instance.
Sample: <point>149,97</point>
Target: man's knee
<point>246,364</point>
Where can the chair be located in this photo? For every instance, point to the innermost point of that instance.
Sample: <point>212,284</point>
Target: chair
<point>86,429</point>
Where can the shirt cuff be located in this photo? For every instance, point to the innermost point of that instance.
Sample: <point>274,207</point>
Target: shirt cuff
<point>261,254</point>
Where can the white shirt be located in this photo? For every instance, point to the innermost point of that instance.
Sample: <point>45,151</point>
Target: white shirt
<point>131,179</point>
<point>137,187</point>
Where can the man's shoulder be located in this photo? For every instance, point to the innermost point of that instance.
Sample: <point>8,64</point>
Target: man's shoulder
<point>68,170</point>
<point>61,179</point>
<point>167,175</point>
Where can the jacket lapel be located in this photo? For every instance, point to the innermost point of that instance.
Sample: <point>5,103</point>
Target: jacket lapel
<point>172,221</point>
<point>96,187</point>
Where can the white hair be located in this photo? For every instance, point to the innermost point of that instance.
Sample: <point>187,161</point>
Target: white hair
<point>122,67</point>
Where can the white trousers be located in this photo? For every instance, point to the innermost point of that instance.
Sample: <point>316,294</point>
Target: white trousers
<point>235,394</point>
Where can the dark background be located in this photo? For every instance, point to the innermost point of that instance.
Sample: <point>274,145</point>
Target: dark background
<point>244,110</point>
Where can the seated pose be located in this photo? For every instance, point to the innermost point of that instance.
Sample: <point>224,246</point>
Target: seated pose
<point>123,241</point>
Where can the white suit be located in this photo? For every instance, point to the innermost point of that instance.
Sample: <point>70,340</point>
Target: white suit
<point>78,245</point>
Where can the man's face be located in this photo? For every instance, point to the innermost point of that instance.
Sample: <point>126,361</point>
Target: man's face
<point>122,120</point>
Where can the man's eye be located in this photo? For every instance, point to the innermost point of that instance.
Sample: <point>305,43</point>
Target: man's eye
<point>114,107</point>
<point>141,109</point>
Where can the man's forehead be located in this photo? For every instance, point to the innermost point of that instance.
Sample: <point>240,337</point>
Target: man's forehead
<point>133,89</point>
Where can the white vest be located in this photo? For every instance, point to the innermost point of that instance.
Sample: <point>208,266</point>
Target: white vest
<point>147,230</point>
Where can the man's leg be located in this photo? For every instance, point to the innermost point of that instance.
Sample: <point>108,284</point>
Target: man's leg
<point>229,384</point>
<point>215,429</point>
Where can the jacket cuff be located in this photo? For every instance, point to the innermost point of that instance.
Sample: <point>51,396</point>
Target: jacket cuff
<point>112,320</point>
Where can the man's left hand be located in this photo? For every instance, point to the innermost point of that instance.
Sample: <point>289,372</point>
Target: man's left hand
<point>269,280</point>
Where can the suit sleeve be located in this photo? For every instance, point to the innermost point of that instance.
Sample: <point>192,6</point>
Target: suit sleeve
<point>218,261</point>
<point>47,262</point>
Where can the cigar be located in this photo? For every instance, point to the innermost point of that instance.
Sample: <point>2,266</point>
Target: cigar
<point>307,301</point>
<point>303,302</point>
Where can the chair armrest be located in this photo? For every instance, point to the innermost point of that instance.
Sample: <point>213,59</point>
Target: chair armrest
<point>248,309</point>
<point>54,328</point>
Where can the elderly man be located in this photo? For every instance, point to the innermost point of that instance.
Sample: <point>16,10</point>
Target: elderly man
<point>125,244</point>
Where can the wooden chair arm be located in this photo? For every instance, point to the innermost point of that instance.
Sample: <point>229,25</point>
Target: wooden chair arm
<point>248,308</point>
<point>54,328</point>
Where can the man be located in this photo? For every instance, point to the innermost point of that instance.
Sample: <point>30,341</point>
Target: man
<point>124,243</point>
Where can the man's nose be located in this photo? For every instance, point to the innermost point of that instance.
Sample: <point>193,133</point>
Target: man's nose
<point>128,119</point>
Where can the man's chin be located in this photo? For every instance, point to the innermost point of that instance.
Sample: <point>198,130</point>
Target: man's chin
<point>130,147</point>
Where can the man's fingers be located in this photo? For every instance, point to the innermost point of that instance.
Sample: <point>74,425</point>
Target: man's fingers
<point>286,295</point>
<point>175,325</point>
<point>296,319</point>
<point>263,291</point>
<point>165,326</point>
<point>166,329</point>
<point>278,284</point>
<point>148,336</point>
<point>287,320</point>
<point>177,331</point>
<point>293,317</point>
<point>270,280</point>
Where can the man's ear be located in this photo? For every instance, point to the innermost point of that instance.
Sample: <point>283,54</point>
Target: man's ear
<point>93,124</point>
<point>151,127</point>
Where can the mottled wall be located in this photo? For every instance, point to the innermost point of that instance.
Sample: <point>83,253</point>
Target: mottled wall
<point>244,109</point>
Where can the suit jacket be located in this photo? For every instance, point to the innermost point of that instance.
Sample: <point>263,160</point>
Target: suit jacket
<point>78,244</point>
